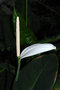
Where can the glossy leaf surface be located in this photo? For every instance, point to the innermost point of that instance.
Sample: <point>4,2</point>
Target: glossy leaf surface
<point>57,84</point>
<point>38,74</point>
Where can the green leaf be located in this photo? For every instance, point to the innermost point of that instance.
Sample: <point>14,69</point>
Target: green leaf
<point>3,66</point>
<point>8,67</point>
<point>38,74</point>
<point>51,39</point>
<point>7,40</point>
<point>57,84</point>
<point>27,36</point>
<point>24,7</point>
<point>20,6</point>
<point>7,72</point>
<point>6,80</point>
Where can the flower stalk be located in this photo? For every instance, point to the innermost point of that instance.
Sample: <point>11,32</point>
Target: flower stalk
<point>18,68</point>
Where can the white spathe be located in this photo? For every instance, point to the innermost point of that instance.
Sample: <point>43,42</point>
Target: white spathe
<point>33,49</point>
<point>36,49</point>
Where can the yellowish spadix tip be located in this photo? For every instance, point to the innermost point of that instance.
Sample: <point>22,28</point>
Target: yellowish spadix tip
<point>17,37</point>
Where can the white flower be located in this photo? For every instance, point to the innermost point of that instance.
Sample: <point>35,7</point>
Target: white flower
<point>36,49</point>
<point>33,49</point>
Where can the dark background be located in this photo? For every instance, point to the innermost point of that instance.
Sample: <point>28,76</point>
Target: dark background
<point>43,15</point>
<point>43,20</point>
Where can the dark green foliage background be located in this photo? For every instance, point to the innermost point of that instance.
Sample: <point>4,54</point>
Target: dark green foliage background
<point>43,20</point>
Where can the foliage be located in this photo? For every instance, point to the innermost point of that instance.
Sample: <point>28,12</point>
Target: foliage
<point>38,74</point>
<point>43,25</point>
<point>57,85</point>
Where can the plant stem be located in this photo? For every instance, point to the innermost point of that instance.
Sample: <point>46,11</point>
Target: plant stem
<point>18,69</point>
<point>26,12</point>
<point>15,86</point>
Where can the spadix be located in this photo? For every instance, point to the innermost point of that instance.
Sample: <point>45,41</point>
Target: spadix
<point>33,49</point>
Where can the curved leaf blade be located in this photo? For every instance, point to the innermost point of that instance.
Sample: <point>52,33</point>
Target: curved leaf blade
<point>38,74</point>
